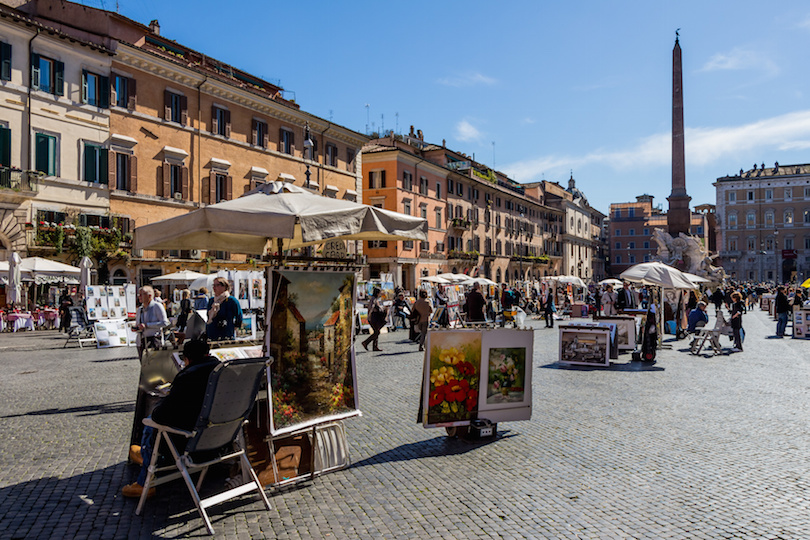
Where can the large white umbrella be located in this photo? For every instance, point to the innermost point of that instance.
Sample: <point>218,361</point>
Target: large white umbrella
<point>14,279</point>
<point>480,280</point>
<point>658,274</point>
<point>611,281</point>
<point>277,210</point>
<point>84,278</point>
<point>48,271</point>
<point>454,278</point>
<point>573,280</point>
<point>204,280</point>
<point>435,279</point>
<point>183,276</point>
<point>697,280</point>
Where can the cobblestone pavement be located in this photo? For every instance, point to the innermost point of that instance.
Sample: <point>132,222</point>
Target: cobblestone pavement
<point>692,447</point>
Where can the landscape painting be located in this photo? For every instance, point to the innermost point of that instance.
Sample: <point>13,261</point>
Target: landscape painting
<point>313,376</point>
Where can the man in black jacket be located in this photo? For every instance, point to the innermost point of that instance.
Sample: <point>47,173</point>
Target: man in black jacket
<point>179,409</point>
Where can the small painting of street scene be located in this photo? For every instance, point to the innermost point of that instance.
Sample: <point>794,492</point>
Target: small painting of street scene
<point>313,375</point>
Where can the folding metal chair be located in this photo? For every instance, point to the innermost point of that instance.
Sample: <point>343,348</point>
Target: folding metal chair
<point>229,398</point>
<point>80,329</point>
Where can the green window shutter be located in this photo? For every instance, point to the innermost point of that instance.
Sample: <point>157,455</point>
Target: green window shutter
<point>59,78</point>
<point>5,61</point>
<point>84,86</point>
<point>103,167</point>
<point>34,70</point>
<point>90,173</point>
<point>5,146</point>
<point>41,160</point>
<point>104,93</point>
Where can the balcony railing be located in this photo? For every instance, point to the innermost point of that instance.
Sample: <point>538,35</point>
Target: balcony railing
<point>465,255</point>
<point>460,223</point>
<point>18,180</point>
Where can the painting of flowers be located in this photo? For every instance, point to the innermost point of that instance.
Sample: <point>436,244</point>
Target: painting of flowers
<point>312,377</point>
<point>506,374</point>
<point>452,376</point>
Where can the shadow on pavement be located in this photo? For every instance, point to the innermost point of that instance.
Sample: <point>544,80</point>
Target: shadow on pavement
<point>436,447</point>
<point>88,410</point>
<point>629,367</point>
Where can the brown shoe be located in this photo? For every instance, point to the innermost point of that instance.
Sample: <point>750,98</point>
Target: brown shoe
<point>135,454</point>
<point>134,491</point>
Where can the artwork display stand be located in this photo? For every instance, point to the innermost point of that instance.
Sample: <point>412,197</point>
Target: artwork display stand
<point>801,323</point>
<point>585,345</point>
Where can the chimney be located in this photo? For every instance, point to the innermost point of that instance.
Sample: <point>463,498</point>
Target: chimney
<point>411,133</point>
<point>154,27</point>
<point>444,143</point>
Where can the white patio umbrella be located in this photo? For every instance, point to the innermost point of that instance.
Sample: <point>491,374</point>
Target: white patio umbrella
<point>435,279</point>
<point>183,276</point>
<point>658,274</point>
<point>697,280</point>
<point>480,280</point>
<point>282,211</point>
<point>204,280</point>
<point>84,279</point>
<point>454,278</point>
<point>611,281</point>
<point>14,279</point>
<point>48,271</point>
<point>573,280</point>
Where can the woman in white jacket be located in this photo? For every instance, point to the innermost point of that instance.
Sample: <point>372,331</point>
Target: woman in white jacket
<point>609,301</point>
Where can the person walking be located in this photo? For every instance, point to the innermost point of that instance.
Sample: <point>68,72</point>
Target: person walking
<point>422,309</point>
<point>474,307</point>
<point>376,319</point>
<point>781,308</point>
<point>717,298</point>
<point>737,310</point>
<point>185,310</point>
<point>549,308</point>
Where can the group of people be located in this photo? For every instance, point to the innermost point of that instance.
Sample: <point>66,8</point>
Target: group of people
<point>224,313</point>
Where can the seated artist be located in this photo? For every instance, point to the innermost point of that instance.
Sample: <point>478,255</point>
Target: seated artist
<point>179,409</point>
<point>696,316</point>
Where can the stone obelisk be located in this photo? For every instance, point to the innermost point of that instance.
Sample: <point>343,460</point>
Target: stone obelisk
<point>678,216</point>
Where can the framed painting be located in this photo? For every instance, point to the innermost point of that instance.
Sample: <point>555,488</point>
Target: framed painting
<point>311,320</point>
<point>452,371</point>
<point>589,346</point>
<point>505,392</point>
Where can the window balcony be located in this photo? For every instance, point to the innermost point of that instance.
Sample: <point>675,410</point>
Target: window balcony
<point>460,223</point>
<point>463,255</point>
<point>18,180</point>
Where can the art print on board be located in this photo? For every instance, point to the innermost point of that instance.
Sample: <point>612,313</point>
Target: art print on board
<point>452,375</point>
<point>313,375</point>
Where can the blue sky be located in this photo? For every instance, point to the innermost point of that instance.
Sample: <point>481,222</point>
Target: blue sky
<point>582,86</point>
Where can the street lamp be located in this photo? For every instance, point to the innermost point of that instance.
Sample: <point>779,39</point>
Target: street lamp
<point>308,144</point>
<point>775,254</point>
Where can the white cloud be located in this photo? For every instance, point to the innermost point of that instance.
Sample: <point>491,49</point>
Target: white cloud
<point>741,59</point>
<point>467,79</point>
<point>467,132</point>
<point>528,120</point>
<point>704,146</point>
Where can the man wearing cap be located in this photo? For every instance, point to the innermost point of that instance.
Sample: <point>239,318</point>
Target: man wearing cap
<point>695,316</point>
<point>179,409</point>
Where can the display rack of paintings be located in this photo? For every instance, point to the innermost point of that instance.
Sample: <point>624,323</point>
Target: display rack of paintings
<point>626,330</point>
<point>801,323</point>
<point>766,302</point>
<point>108,302</point>
<point>474,374</point>
<point>311,320</point>
<point>585,345</point>
<point>114,333</point>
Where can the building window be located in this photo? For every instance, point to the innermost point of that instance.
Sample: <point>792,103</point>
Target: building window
<point>459,189</point>
<point>807,242</point>
<point>788,216</point>
<point>423,186</point>
<point>286,141</point>
<point>807,193</point>
<point>125,172</point>
<point>407,245</point>
<point>631,245</point>
<point>449,186</point>
<point>617,213</point>
<point>260,134</point>
<point>769,219</point>
<point>700,229</point>
<point>768,194</point>
<point>752,244</point>
<point>124,91</point>
<point>407,181</point>
<point>732,221</point>
<point>46,152</point>
<point>349,159</point>
<point>378,244</point>
<point>331,155</point>
<point>617,232</point>
<point>618,259</point>
<point>176,108</point>
<point>788,194</point>
<point>221,187</point>
<point>788,243</point>
<point>220,121</point>
<point>807,217</point>
<point>646,232</point>
<point>732,244</point>
<point>438,190</point>
<point>751,220</point>
<point>732,197</point>
<point>423,211</point>
<point>47,75</point>
<point>750,196</point>
<point>631,212</point>
<point>646,245</point>
<point>176,181</point>
<point>618,245</point>
<point>376,179</point>
<point>438,218</point>
<point>769,244</point>
<point>5,147</point>
<point>647,258</point>
<point>631,259</point>
<point>95,89</point>
<point>406,208</point>
<point>631,232</point>
<point>5,61</point>
<point>95,164</point>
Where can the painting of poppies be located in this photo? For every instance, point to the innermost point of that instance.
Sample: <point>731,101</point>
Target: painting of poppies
<point>452,375</point>
<point>313,376</point>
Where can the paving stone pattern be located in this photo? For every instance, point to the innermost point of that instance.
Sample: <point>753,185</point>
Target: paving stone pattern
<point>691,447</point>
